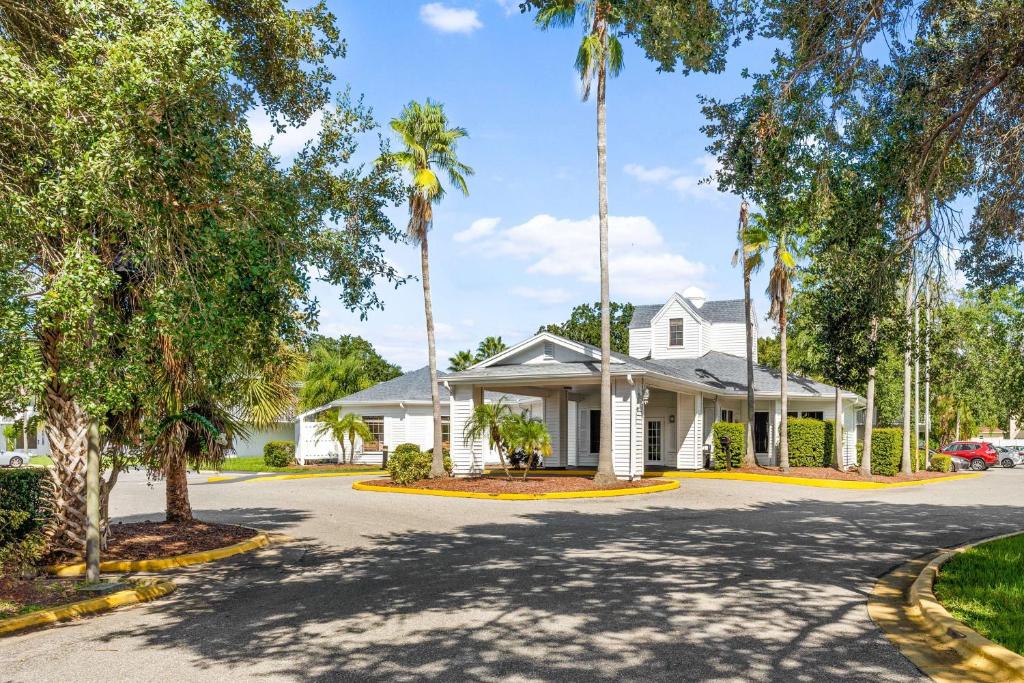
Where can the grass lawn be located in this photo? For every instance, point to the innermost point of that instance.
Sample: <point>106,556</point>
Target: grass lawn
<point>256,464</point>
<point>984,588</point>
<point>41,460</point>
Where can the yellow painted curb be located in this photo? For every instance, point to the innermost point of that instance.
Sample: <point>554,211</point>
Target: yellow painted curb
<point>92,606</point>
<point>78,568</point>
<point>299,475</point>
<point>979,652</point>
<point>668,486</point>
<point>817,483</point>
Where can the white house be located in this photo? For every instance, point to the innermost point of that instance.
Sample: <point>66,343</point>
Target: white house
<point>37,443</point>
<point>686,369</point>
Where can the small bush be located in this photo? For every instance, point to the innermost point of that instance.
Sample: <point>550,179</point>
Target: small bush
<point>733,430</point>
<point>23,503</point>
<point>810,442</point>
<point>409,464</point>
<point>941,463</point>
<point>278,453</point>
<point>886,451</point>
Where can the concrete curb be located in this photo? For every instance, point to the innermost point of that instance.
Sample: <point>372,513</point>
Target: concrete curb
<point>106,603</point>
<point>260,540</point>
<point>668,486</point>
<point>816,483</point>
<point>979,652</point>
<point>298,475</point>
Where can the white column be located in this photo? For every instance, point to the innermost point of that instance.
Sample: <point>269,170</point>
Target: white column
<point>299,442</point>
<point>556,419</point>
<point>467,456</point>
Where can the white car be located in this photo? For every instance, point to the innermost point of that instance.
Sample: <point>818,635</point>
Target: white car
<point>13,459</point>
<point>1009,456</point>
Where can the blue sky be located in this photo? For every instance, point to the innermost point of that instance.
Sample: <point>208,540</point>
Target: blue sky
<point>521,250</point>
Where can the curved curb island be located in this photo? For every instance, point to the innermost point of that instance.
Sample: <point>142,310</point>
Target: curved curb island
<point>56,615</point>
<point>260,540</point>
<point>817,483</point>
<point>605,493</point>
<point>979,652</point>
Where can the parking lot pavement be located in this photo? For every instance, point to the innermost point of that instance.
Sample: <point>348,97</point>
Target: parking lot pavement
<point>718,580</point>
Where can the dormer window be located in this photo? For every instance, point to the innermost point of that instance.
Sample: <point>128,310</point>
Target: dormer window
<point>675,332</point>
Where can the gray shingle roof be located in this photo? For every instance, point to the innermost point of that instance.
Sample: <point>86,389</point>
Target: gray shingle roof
<point>722,311</point>
<point>725,372</point>
<point>412,386</point>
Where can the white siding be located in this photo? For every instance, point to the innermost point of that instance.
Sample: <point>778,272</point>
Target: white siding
<point>572,433</point>
<point>728,338</point>
<point>466,458</point>
<point>555,419</point>
<point>687,425</point>
<point>258,438</point>
<point>544,352</point>
<point>692,346</point>
<point>623,425</point>
<point>640,342</point>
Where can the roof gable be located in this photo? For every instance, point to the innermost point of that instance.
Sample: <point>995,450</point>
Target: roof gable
<point>541,348</point>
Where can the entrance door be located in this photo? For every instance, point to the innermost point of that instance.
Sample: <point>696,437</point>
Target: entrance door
<point>655,442</point>
<point>761,433</point>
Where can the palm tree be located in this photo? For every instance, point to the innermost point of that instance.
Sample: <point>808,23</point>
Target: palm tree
<point>342,427</point>
<point>330,376</point>
<point>491,420</point>
<point>429,144</point>
<point>780,291</point>
<point>599,54</point>
<point>461,360</point>
<point>750,259</point>
<point>529,435</point>
<point>489,347</point>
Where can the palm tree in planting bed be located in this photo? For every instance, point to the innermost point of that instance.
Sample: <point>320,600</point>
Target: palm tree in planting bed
<point>491,420</point>
<point>341,427</point>
<point>529,435</point>
<point>429,144</point>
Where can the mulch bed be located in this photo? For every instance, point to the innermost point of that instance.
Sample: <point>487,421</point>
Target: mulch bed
<point>517,485</point>
<point>149,540</point>
<point>829,473</point>
<point>21,596</point>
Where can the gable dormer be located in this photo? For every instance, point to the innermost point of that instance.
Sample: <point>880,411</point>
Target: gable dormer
<point>688,326</point>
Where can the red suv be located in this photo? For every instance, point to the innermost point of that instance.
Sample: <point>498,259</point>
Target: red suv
<point>980,454</point>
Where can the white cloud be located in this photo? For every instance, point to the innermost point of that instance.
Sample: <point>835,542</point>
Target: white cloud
<point>641,265</point>
<point>450,19</point>
<point>288,143</point>
<point>510,6</point>
<point>544,295</point>
<point>481,227</point>
<point>692,184</point>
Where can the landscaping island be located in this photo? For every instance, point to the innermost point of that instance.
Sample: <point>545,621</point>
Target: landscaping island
<point>984,588</point>
<point>531,485</point>
<point>832,473</point>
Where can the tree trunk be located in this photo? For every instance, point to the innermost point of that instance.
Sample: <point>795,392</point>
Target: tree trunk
<point>178,507</point>
<point>916,444</point>
<point>927,378</point>
<point>906,466</point>
<point>749,458</point>
<point>869,411</point>
<point>605,467</point>
<point>67,425</point>
<point>437,461</point>
<point>93,536</point>
<point>837,433</point>
<point>784,369</point>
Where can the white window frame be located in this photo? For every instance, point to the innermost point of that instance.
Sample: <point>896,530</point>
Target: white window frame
<point>682,333</point>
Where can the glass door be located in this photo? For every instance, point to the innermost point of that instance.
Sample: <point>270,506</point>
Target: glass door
<point>655,441</point>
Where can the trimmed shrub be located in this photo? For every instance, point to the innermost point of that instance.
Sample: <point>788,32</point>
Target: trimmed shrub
<point>810,442</point>
<point>23,503</point>
<point>733,430</point>
<point>278,453</point>
<point>409,464</point>
<point>886,451</point>
<point>941,463</point>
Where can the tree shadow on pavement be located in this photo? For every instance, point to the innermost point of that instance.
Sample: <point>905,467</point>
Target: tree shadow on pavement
<point>772,592</point>
<point>262,518</point>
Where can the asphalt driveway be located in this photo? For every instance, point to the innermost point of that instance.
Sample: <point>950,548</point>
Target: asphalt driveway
<point>716,581</point>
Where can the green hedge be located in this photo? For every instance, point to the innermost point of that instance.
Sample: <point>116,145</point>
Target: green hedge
<point>278,453</point>
<point>811,442</point>
<point>886,451</point>
<point>23,502</point>
<point>941,463</point>
<point>409,464</point>
<point>733,430</point>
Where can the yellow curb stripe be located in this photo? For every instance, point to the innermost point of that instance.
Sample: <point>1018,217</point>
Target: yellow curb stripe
<point>317,475</point>
<point>816,483</point>
<point>156,565</point>
<point>668,486</point>
<point>979,652</point>
<point>85,607</point>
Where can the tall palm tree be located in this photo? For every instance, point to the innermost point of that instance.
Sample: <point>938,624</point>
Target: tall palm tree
<point>341,427</point>
<point>329,376</point>
<point>461,360</point>
<point>429,149</point>
<point>780,290</point>
<point>491,420</point>
<point>489,347</point>
<point>599,55</point>
<point>531,436</point>
<point>750,259</point>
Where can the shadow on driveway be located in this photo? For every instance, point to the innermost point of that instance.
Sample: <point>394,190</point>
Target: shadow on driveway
<point>772,592</point>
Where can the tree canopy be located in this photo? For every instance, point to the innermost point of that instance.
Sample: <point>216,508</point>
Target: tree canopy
<point>584,325</point>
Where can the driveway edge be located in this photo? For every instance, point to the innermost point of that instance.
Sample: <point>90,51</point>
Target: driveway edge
<point>106,603</point>
<point>668,486</point>
<point>816,483</point>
